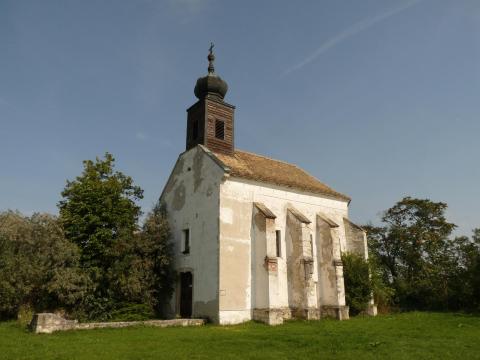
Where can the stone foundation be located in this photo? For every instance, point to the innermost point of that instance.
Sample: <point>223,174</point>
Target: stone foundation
<point>307,314</point>
<point>46,323</point>
<point>278,315</point>
<point>272,316</point>
<point>336,312</point>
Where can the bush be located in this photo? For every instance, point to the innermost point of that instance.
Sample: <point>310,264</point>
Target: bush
<point>38,266</point>
<point>132,312</point>
<point>358,286</point>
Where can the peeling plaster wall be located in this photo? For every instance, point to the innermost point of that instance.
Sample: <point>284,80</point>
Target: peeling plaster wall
<point>191,196</point>
<point>235,261</point>
<point>260,288</point>
<point>331,283</point>
<point>356,239</point>
<point>294,255</point>
<point>237,297</point>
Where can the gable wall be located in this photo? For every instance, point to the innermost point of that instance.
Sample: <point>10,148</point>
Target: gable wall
<point>192,200</point>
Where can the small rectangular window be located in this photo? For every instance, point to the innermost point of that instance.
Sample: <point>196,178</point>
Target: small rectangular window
<point>186,241</point>
<point>278,241</point>
<point>220,129</point>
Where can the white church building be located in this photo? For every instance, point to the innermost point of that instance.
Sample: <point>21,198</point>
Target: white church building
<point>254,238</point>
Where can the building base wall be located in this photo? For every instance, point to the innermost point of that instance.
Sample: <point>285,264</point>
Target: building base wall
<point>272,316</point>
<point>306,314</point>
<point>336,312</point>
<point>231,317</point>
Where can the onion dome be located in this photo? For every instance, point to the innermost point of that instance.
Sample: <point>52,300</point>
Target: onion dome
<point>212,84</point>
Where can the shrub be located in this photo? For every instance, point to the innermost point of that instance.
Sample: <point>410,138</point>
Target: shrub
<point>132,312</point>
<point>358,286</point>
<point>38,266</point>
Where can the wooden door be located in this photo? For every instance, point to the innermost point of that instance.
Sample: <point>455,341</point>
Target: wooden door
<point>186,291</point>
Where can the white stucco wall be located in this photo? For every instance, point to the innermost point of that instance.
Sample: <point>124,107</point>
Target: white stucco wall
<point>217,210</point>
<point>236,201</point>
<point>192,199</point>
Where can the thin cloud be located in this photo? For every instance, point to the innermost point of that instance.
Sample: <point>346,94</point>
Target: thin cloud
<point>141,136</point>
<point>348,32</point>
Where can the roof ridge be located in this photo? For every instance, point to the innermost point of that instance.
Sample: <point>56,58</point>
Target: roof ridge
<point>269,158</point>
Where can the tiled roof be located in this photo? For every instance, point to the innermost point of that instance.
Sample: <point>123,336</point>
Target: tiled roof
<point>250,166</point>
<point>329,221</point>
<point>265,211</point>
<point>302,218</point>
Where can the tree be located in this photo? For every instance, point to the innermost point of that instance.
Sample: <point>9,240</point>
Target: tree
<point>466,289</point>
<point>98,208</point>
<point>475,269</point>
<point>39,268</point>
<point>143,272</point>
<point>129,266</point>
<point>419,259</point>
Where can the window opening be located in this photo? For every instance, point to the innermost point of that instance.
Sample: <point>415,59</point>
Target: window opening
<point>220,129</point>
<point>186,241</point>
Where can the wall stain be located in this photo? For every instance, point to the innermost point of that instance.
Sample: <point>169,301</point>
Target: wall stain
<point>178,169</point>
<point>206,309</point>
<point>179,197</point>
<point>197,170</point>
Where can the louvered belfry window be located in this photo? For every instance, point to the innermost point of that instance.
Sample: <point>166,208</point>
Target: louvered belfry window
<point>220,129</point>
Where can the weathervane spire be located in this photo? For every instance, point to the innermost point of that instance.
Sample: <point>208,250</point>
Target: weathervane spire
<point>211,59</point>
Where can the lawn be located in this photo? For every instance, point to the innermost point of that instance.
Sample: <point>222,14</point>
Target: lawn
<point>403,336</point>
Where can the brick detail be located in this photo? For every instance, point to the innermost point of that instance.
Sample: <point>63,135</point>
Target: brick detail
<point>271,264</point>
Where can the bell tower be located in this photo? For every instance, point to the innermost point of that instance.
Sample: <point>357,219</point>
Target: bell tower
<point>210,119</point>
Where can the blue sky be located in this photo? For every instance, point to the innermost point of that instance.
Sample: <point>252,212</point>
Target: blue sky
<point>377,98</point>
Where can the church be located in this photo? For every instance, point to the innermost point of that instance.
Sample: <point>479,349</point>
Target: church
<point>254,238</point>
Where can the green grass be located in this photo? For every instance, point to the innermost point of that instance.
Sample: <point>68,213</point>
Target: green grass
<point>403,336</point>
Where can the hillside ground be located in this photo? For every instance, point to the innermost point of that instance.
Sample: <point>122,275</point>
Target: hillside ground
<point>414,335</point>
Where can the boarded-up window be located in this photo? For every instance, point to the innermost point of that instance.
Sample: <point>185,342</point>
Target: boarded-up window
<point>278,241</point>
<point>220,129</point>
<point>186,241</point>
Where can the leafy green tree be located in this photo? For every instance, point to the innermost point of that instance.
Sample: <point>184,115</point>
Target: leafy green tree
<point>130,266</point>
<point>98,208</point>
<point>382,291</point>
<point>426,267</point>
<point>39,268</point>
<point>475,269</point>
<point>99,213</point>
<point>465,289</point>
<point>159,249</point>
<point>142,271</point>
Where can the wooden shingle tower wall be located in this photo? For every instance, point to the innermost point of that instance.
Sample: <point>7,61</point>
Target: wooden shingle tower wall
<point>210,121</point>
